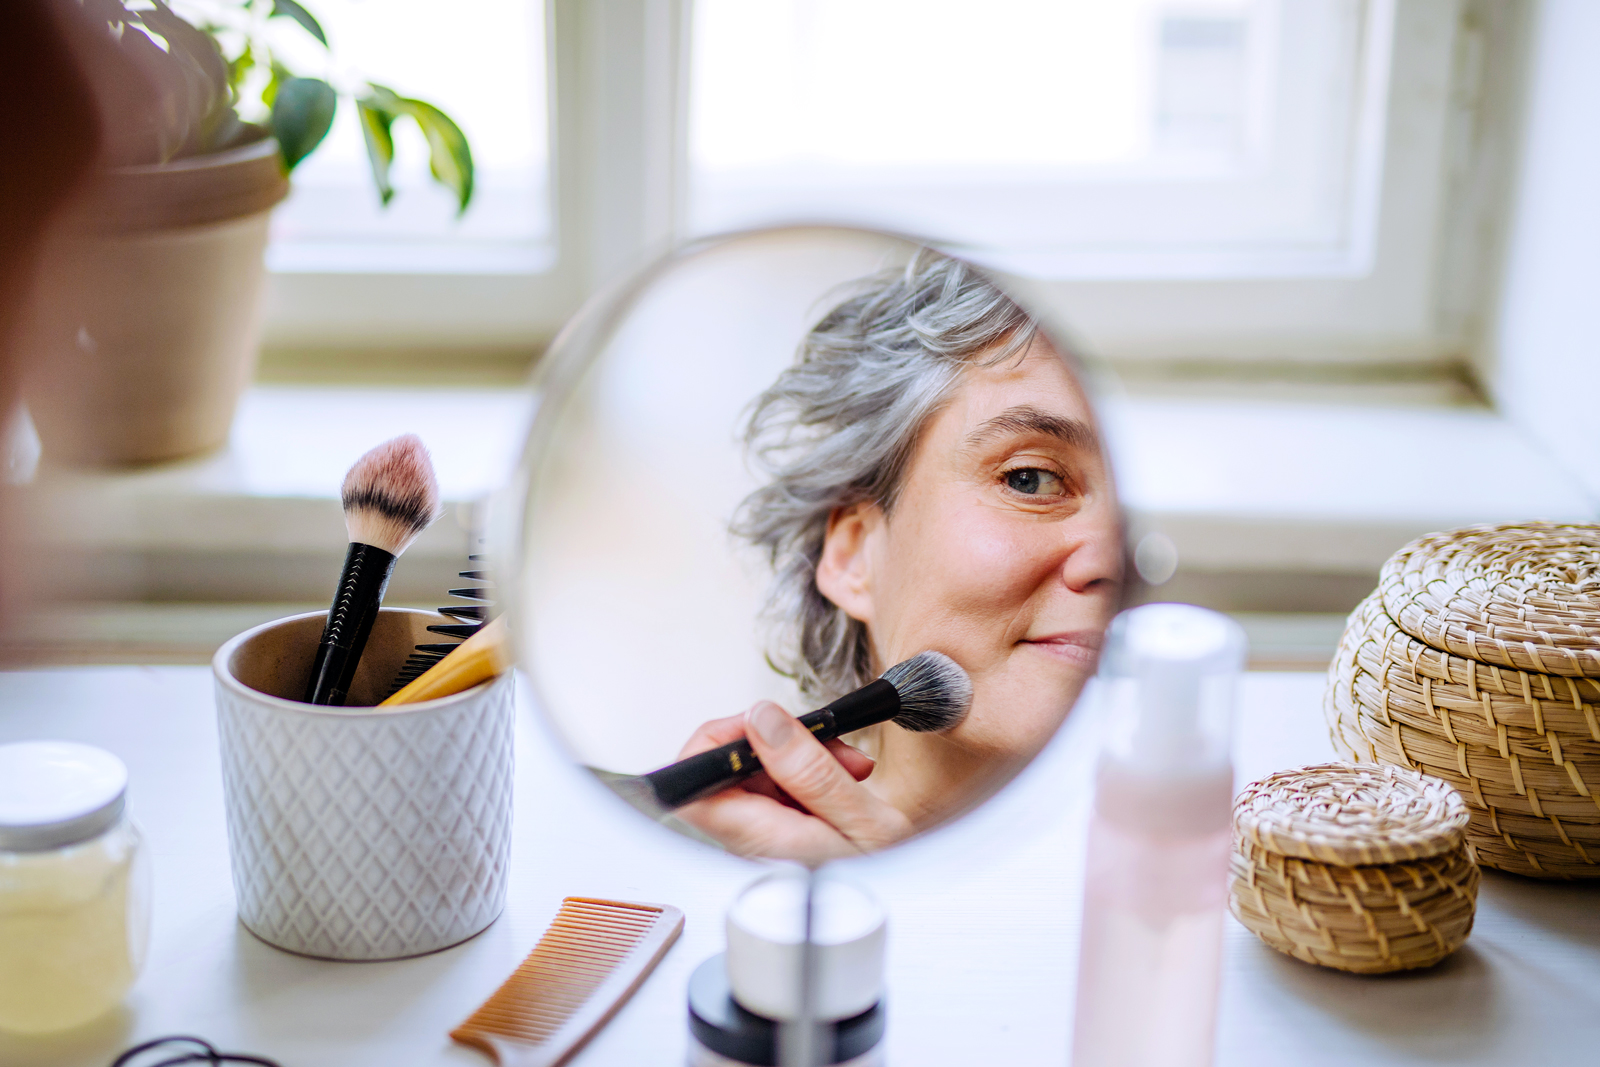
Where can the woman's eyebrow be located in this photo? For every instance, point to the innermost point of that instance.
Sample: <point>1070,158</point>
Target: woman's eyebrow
<point>1027,419</point>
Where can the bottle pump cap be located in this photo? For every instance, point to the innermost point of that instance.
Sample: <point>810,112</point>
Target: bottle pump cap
<point>1169,671</point>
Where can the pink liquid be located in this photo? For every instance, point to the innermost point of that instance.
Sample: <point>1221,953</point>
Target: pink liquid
<point>1151,950</point>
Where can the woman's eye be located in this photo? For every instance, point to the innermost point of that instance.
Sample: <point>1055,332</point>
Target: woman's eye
<point>1034,481</point>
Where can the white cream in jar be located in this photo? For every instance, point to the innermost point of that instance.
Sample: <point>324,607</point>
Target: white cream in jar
<point>74,886</point>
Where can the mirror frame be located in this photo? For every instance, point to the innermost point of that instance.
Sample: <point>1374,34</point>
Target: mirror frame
<point>583,340</point>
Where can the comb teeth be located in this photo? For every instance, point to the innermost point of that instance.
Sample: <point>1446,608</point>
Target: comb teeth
<point>415,666</point>
<point>593,956</point>
<point>469,619</point>
<point>463,630</point>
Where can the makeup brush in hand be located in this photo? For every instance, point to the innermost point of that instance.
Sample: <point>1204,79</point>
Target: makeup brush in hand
<point>390,496</point>
<point>928,692</point>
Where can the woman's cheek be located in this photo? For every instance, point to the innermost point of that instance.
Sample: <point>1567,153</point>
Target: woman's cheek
<point>1019,704</point>
<point>1000,558</point>
<point>1015,712</point>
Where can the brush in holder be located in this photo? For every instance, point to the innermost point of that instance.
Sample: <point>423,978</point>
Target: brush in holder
<point>1361,868</point>
<point>357,833</point>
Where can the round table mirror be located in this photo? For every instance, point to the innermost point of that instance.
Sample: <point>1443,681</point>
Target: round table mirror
<point>772,467</point>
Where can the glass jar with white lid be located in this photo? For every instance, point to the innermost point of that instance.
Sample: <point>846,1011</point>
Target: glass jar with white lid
<point>74,886</point>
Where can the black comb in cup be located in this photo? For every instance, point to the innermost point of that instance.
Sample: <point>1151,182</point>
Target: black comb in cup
<point>470,618</point>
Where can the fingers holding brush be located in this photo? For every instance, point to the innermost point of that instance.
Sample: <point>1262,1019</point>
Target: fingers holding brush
<point>808,781</point>
<point>771,815</point>
<point>808,772</point>
<point>719,732</point>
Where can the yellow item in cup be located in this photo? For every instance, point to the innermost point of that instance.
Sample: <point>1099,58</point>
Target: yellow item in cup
<point>477,659</point>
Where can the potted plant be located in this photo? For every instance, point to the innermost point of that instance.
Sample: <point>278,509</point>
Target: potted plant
<point>147,311</point>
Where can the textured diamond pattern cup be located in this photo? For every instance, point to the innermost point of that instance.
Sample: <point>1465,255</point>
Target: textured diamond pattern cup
<point>358,834</point>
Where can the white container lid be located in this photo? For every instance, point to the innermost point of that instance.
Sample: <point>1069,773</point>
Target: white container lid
<point>57,793</point>
<point>1168,672</point>
<point>766,933</point>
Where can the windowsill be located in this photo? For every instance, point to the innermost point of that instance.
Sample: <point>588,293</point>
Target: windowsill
<point>411,257</point>
<point>1312,498</point>
<point>1226,479</point>
<point>1273,505</point>
<point>289,451</point>
<point>261,521</point>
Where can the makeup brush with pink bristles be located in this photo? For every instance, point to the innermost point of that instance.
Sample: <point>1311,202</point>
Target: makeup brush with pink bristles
<point>390,496</point>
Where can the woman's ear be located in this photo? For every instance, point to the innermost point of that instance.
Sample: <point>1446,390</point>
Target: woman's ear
<point>845,571</point>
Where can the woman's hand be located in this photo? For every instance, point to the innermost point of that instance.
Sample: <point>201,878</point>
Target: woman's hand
<point>807,804</point>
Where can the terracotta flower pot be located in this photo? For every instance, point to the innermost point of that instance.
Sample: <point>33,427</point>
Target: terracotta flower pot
<point>147,311</point>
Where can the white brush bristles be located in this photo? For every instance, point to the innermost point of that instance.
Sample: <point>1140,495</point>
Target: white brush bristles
<point>391,495</point>
<point>935,693</point>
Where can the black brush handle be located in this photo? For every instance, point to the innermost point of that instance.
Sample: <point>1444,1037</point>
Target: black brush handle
<point>350,619</point>
<point>701,775</point>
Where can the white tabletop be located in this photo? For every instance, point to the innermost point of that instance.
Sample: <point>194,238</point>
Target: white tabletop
<point>983,930</point>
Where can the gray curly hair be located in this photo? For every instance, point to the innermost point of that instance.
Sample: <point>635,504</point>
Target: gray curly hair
<point>839,427</point>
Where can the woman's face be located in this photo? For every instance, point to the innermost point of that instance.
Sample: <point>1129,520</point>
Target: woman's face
<point>1003,551</point>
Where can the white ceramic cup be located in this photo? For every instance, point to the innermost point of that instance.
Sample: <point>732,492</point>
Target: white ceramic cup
<point>357,833</point>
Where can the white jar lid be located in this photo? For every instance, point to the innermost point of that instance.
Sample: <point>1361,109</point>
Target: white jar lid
<point>57,793</point>
<point>766,932</point>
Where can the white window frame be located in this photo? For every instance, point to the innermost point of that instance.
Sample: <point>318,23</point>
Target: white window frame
<point>1387,304</point>
<point>617,75</point>
<point>614,72</point>
<point>1288,205</point>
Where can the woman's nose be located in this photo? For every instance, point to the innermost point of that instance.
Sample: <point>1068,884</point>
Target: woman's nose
<point>1095,557</point>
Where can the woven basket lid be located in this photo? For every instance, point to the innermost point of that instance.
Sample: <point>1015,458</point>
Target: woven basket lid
<point>1351,814</point>
<point>1523,595</point>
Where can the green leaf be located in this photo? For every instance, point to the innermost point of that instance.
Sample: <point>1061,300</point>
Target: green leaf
<point>449,155</point>
<point>239,69</point>
<point>290,9</point>
<point>280,74</point>
<point>386,98</point>
<point>376,121</point>
<point>302,112</point>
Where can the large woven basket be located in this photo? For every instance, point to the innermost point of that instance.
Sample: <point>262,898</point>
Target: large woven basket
<point>1522,595</point>
<point>1357,867</point>
<point>1478,661</point>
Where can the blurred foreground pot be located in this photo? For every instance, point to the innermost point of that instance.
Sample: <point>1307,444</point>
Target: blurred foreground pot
<point>147,310</point>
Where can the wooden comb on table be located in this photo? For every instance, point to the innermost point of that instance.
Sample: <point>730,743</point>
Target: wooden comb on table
<point>595,954</point>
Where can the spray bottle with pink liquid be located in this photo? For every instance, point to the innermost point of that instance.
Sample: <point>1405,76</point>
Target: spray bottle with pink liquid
<point>1155,886</point>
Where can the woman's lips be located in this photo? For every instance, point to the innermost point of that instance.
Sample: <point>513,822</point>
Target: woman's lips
<point>1079,647</point>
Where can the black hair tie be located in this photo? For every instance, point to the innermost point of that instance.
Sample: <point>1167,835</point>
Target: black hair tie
<point>204,1052</point>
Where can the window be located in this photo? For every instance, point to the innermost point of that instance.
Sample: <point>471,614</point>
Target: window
<point>357,285</point>
<point>1232,179</point>
<point>491,83</point>
<point>1229,179</point>
<point>1064,138</point>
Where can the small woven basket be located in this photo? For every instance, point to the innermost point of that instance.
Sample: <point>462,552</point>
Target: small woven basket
<point>1478,661</point>
<point>1360,868</point>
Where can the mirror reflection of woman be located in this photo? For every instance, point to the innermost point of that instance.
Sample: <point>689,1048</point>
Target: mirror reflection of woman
<point>935,481</point>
